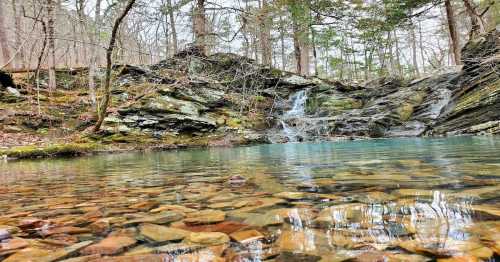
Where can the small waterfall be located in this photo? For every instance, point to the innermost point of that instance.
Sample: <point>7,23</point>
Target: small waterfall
<point>299,105</point>
<point>292,120</point>
<point>443,99</point>
<point>296,125</point>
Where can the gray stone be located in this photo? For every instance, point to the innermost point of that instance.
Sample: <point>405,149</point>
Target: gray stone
<point>13,91</point>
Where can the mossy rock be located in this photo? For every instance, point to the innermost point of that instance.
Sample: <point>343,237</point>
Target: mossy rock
<point>333,104</point>
<point>405,111</point>
<point>234,122</point>
<point>71,149</point>
<point>128,139</point>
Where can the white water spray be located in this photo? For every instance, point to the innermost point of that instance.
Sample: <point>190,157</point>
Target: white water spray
<point>294,131</point>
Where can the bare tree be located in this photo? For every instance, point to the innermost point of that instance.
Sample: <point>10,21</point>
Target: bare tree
<point>4,46</point>
<point>170,10</point>
<point>94,40</point>
<point>413,43</point>
<point>265,33</point>
<point>109,64</point>
<point>452,28</point>
<point>301,47</point>
<point>51,5</point>
<point>18,25</point>
<point>282,42</point>
<point>199,26</point>
<point>477,23</point>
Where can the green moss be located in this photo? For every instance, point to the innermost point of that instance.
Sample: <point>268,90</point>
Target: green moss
<point>405,111</point>
<point>333,104</point>
<point>276,72</point>
<point>71,149</point>
<point>128,139</point>
<point>259,98</point>
<point>188,140</point>
<point>480,95</point>
<point>234,122</point>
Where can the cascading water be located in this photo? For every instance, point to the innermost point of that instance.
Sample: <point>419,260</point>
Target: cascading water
<point>292,120</point>
<point>296,125</point>
<point>299,105</point>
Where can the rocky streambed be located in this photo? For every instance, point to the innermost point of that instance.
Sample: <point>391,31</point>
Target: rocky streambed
<point>355,201</point>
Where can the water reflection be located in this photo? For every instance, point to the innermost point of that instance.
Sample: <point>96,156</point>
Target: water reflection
<point>400,200</point>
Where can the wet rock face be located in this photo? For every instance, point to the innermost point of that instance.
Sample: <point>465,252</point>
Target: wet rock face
<point>465,101</point>
<point>169,110</point>
<point>197,94</point>
<point>475,107</point>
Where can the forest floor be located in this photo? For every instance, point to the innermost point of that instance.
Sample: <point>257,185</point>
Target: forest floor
<point>42,123</point>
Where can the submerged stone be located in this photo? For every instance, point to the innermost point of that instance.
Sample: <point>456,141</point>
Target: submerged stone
<point>4,234</point>
<point>297,257</point>
<point>162,218</point>
<point>157,233</point>
<point>291,195</point>
<point>110,246</point>
<point>64,252</point>
<point>64,230</point>
<point>139,250</point>
<point>29,255</point>
<point>178,248</point>
<point>263,220</point>
<point>205,217</point>
<point>175,208</point>
<point>226,227</point>
<point>246,236</point>
<point>208,238</point>
<point>13,244</point>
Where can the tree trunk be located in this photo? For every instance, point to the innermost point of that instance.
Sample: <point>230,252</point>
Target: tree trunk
<point>199,26</point>
<point>413,39</point>
<point>172,26</point>
<point>109,63</point>
<point>94,40</point>
<point>398,53</point>
<point>301,47</point>
<point>354,62</point>
<point>18,24</point>
<point>315,53</point>
<point>4,46</point>
<point>421,46</point>
<point>39,64</point>
<point>265,33</point>
<point>282,41</point>
<point>477,26</point>
<point>166,31</point>
<point>51,4</point>
<point>452,28</point>
<point>297,48</point>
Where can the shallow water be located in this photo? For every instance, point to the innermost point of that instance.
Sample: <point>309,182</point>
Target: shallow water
<point>388,199</point>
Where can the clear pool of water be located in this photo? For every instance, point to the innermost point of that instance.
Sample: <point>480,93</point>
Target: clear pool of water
<point>393,199</point>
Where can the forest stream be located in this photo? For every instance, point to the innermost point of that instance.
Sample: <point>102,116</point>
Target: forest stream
<point>249,131</point>
<point>410,199</point>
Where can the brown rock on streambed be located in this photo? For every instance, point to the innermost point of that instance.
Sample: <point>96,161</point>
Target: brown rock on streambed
<point>205,217</point>
<point>208,238</point>
<point>157,233</point>
<point>110,246</point>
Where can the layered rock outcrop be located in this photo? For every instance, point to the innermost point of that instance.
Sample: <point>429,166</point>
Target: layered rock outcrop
<point>226,99</point>
<point>460,101</point>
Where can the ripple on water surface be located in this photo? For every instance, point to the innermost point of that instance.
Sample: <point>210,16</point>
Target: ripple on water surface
<point>373,200</point>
